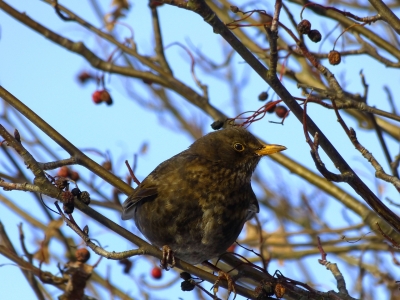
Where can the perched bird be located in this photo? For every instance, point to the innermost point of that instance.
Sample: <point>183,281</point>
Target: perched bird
<point>197,201</point>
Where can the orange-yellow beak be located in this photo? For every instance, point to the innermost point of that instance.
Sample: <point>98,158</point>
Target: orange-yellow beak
<point>269,149</point>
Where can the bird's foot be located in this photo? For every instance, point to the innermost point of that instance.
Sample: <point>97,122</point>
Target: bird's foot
<point>168,258</point>
<point>228,278</point>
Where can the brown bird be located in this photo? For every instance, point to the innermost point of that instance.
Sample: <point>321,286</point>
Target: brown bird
<point>197,201</point>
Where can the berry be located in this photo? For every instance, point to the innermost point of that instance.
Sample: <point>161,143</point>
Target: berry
<point>84,77</point>
<point>96,96</point>
<point>102,96</point>
<point>68,208</point>
<point>315,36</point>
<point>107,165</point>
<point>74,175</point>
<point>82,255</point>
<point>187,286</point>
<point>63,171</point>
<point>76,192</point>
<point>106,97</point>
<point>304,27</point>
<point>156,273</point>
<point>281,111</point>
<point>185,276</point>
<point>217,125</point>
<point>85,197</point>
<point>263,96</point>
<point>67,197</point>
<point>127,265</point>
<point>334,58</point>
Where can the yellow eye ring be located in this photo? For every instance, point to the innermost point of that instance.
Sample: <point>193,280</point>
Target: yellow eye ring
<point>238,147</point>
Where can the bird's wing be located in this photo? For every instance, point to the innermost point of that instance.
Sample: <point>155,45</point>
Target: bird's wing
<point>142,192</point>
<point>148,189</point>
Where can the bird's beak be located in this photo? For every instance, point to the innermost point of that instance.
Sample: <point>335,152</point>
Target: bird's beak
<point>269,149</point>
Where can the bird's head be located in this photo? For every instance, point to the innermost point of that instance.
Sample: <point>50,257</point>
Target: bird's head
<point>233,147</point>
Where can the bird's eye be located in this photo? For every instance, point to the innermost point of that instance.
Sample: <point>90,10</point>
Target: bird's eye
<point>238,147</point>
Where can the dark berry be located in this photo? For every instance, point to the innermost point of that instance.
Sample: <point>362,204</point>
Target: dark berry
<point>217,125</point>
<point>68,208</point>
<point>185,276</point>
<point>315,36</point>
<point>85,197</point>
<point>263,96</point>
<point>76,192</point>
<point>304,27</point>
<point>127,265</point>
<point>187,286</point>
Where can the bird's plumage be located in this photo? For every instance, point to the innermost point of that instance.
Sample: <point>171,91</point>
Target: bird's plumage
<point>198,201</point>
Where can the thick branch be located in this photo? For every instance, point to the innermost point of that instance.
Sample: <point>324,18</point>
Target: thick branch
<point>386,14</point>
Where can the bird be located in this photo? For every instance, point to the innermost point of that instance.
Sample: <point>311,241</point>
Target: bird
<point>197,202</point>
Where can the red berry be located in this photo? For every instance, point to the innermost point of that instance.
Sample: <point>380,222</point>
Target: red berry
<point>96,96</point>
<point>156,273</point>
<point>84,77</point>
<point>63,171</point>
<point>102,96</point>
<point>281,111</point>
<point>74,175</point>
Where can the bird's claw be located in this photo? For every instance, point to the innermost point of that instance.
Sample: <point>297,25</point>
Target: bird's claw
<point>168,258</point>
<point>228,278</point>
